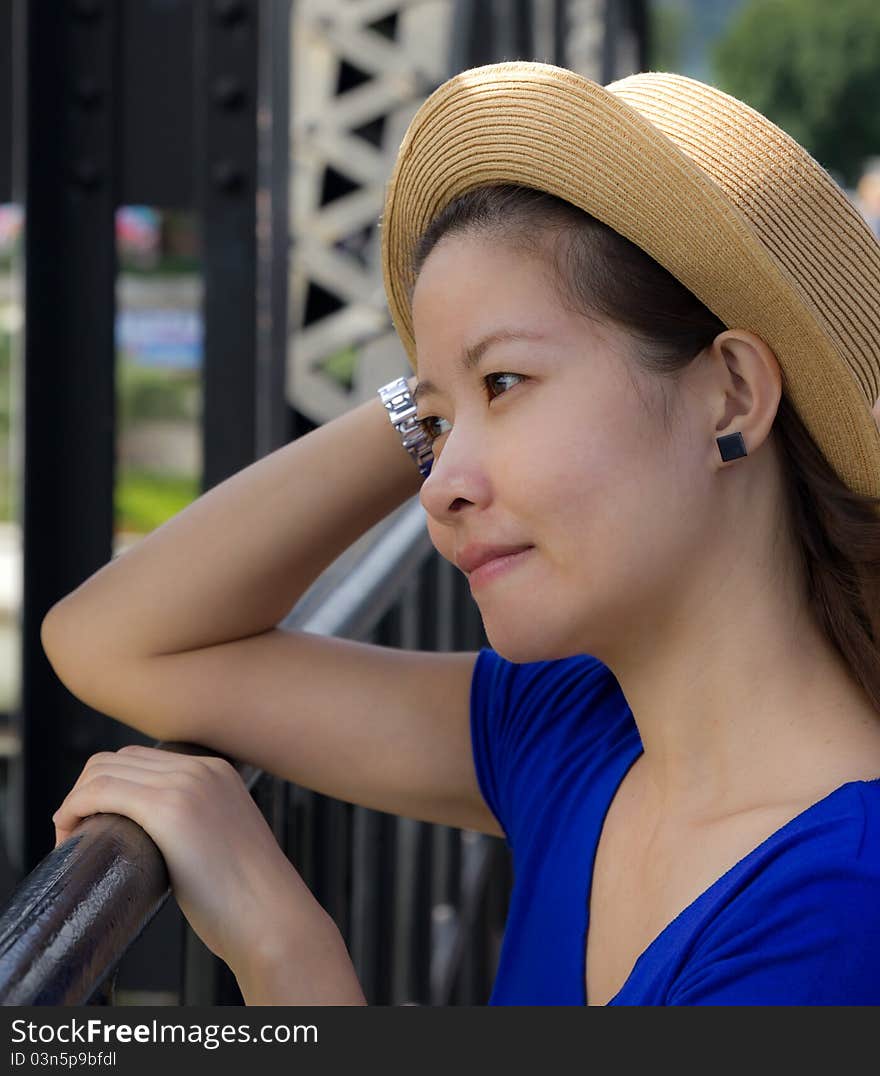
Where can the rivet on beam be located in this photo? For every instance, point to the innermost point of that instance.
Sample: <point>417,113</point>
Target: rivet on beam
<point>88,174</point>
<point>229,92</point>
<point>87,92</point>
<point>227,176</point>
<point>229,11</point>
<point>88,9</point>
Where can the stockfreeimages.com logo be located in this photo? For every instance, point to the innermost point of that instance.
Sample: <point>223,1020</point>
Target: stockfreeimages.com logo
<point>155,1033</point>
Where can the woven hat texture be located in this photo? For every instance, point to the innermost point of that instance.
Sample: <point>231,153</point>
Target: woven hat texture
<point>718,195</point>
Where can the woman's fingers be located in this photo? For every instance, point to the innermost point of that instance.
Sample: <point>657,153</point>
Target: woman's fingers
<point>105,792</point>
<point>156,757</point>
<point>144,758</point>
<point>108,783</point>
<point>136,757</point>
<point>230,878</point>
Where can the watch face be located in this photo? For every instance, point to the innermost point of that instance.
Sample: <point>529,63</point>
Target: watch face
<point>398,400</point>
<point>401,409</point>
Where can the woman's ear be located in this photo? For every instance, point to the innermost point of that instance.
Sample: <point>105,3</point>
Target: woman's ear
<point>747,385</point>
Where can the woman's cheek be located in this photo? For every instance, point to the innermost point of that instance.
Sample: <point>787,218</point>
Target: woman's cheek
<point>443,539</point>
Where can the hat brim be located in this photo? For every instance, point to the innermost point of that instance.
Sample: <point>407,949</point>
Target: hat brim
<point>543,127</point>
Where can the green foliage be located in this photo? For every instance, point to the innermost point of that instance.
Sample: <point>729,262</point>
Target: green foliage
<point>166,265</point>
<point>666,30</point>
<point>6,495</point>
<point>145,500</point>
<point>5,380</point>
<point>146,393</point>
<point>813,67</point>
<point>341,366</point>
<point>6,491</point>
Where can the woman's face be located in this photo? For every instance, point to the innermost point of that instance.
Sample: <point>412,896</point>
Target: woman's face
<point>544,442</point>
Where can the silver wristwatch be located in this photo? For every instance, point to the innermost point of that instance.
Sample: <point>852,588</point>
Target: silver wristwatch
<point>401,410</point>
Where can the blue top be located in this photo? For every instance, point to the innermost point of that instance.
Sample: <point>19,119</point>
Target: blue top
<point>795,922</point>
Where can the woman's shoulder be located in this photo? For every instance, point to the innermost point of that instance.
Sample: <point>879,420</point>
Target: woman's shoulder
<point>825,861</point>
<point>840,830</point>
<point>555,691</point>
<point>798,918</point>
<point>583,671</point>
<point>867,852</point>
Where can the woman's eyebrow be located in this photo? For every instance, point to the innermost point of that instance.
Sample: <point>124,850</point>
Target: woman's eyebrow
<point>472,353</point>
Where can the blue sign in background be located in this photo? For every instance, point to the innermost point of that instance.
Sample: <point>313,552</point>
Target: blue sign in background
<point>170,338</point>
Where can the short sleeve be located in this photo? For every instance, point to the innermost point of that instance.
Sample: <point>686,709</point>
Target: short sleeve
<point>519,716</point>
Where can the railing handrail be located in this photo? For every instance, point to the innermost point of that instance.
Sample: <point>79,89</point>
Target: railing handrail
<point>72,919</point>
<point>352,595</point>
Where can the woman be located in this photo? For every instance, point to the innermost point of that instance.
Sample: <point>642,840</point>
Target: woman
<point>645,328</point>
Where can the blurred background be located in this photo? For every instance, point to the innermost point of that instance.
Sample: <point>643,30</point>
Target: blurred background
<point>189,278</point>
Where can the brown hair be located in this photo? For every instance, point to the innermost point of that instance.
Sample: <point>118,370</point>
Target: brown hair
<point>836,530</point>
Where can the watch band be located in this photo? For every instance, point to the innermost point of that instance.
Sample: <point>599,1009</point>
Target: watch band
<point>401,409</point>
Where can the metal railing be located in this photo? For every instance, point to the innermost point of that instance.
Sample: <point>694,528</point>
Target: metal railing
<point>421,906</point>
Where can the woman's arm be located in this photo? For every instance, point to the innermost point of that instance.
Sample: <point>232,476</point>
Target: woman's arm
<point>236,888</point>
<point>178,637</point>
<point>234,562</point>
<point>301,967</point>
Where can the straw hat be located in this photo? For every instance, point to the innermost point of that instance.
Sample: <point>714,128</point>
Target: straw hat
<point>728,203</point>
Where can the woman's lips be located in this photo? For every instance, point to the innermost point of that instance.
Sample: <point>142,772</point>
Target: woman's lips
<point>498,566</point>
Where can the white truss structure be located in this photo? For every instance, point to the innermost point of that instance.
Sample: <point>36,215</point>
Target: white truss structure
<point>335,244</point>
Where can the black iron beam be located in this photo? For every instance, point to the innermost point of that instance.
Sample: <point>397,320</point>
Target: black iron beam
<point>560,30</point>
<point>70,268</point>
<point>641,27</point>
<point>156,166</point>
<point>626,21</point>
<point>273,226</point>
<point>226,40</point>
<point>240,66</point>
<point>5,101</point>
<point>610,35</point>
<point>489,31</point>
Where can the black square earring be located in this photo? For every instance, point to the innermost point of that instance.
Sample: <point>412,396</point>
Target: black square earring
<point>731,446</point>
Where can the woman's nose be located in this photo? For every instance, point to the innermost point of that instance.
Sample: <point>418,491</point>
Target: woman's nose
<point>456,482</point>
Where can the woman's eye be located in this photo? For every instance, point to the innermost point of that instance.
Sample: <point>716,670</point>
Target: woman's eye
<point>435,426</point>
<point>496,385</point>
<point>500,380</point>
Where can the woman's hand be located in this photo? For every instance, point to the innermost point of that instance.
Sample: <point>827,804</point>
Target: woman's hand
<point>235,886</point>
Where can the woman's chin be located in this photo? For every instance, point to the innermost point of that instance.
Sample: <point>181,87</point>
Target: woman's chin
<point>522,648</point>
